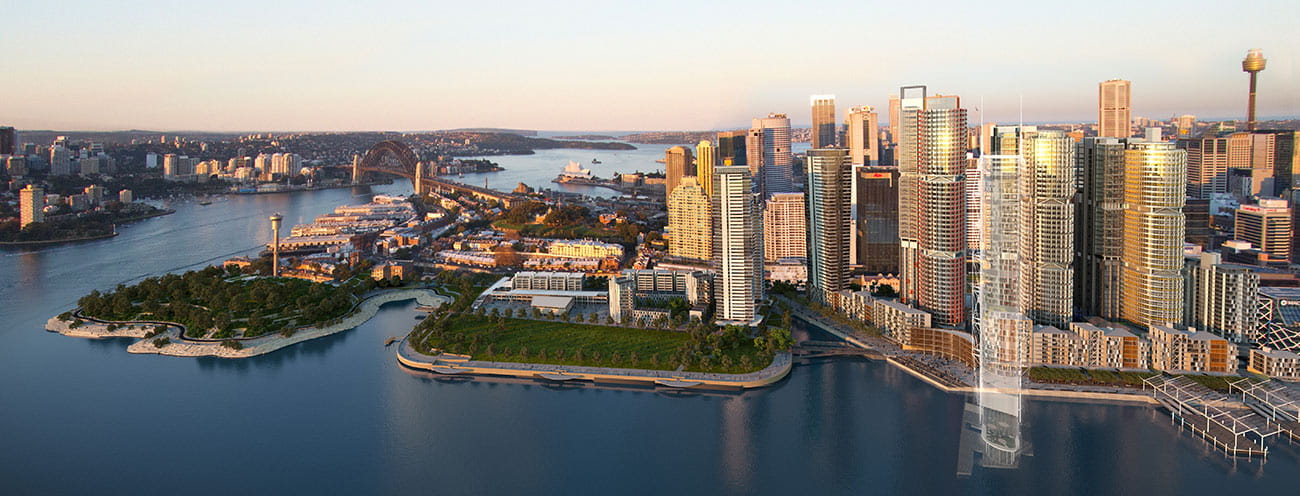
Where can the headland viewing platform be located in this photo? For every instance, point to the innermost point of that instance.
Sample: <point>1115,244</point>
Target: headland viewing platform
<point>451,365</point>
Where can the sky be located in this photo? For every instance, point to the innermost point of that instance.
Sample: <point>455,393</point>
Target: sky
<point>620,65</point>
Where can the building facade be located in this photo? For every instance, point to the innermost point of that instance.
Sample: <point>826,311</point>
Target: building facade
<point>937,206</point>
<point>1047,188</point>
<point>738,249</point>
<point>862,132</point>
<point>690,222</point>
<point>1224,298</point>
<point>1100,221</point>
<point>31,205</point>
<point>823,121</point>
<point>1175,350</point>
<point>769,156</point>
<point>1154,193</point>
<point>1115,109</point>
<point>678,163</point>
<point>876,205</point>
<point>830,236</point>
<point>1266,226</point>
<point>785,221</point>
<point>706,158</point>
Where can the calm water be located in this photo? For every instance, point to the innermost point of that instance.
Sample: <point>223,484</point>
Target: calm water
<point>337,415</point>
<point>539,169</point>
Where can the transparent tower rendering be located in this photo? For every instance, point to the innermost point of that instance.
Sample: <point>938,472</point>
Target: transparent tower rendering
<point>1001,327</point>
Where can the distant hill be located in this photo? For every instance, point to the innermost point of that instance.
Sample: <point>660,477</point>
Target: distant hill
<point>521,132</point>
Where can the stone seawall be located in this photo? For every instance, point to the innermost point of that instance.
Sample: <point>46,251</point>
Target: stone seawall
<point>459,364</point>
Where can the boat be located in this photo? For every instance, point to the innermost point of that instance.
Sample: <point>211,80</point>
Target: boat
<point>205,202</point>
<point>594,161</point>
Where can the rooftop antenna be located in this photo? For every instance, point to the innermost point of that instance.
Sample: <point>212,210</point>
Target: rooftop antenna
<point>1020,140</point>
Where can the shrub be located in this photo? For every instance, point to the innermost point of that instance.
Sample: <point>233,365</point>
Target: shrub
<point>161,342</point>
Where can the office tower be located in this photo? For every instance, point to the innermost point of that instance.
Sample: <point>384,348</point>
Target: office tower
<point>1266,226</point>
<point>151,160</point>
<point>877,220</point>
<point>1252,64</point>
<point>31,205</point>
<point>16,165</point>
<point>895,106</point>
<point>1045,222</point>
<point>1115,109</point>
<point>785,223</point>
<point>1155,175</point>
<point>738,251</point>
<point>1186,124</point>
<point>1224,298</point>
<point>1100,218</point>
<point>905,155</point>
<point>706,158</point>
<point>8,141</point>
<point>690,222</point>
<point>1286,161</point>
<point>60,161</point>
<point>862,132</point>
<point>830,223</point>
<point>1196,215</point>
<point>125,196</point>
<point>934,140</point>
<point>823,121</point>
<point>1207,165</point>
<point>171,166</point>
<point>731,146</point>
<point>677,164</point>
<point>768,147</point>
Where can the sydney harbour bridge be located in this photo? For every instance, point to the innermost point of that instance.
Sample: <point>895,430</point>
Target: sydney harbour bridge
<point>395,158</point>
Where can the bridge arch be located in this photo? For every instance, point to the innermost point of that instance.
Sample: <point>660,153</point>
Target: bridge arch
<point>390,157</point>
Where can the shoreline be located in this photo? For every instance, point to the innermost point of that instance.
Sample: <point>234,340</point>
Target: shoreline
<point>462,365</point>
<point>166,211</point>
<point>181,346</point>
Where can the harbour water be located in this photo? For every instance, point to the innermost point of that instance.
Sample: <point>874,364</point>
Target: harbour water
<point>339,416</point>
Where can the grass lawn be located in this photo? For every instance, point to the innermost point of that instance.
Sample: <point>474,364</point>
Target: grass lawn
<point>1117,378</point>
<point>565,343</point>
<point>1084,376</point>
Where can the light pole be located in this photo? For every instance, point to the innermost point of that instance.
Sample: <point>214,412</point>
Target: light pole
<point>275,245</point>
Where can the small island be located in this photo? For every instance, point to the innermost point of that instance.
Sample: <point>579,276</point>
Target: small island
<point>97,224</point>
<point>224,312</point>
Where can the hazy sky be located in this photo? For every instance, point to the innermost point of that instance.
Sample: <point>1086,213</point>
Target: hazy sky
<point>264,65</point>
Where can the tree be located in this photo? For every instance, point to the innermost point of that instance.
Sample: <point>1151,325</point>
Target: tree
<point>885,291</point>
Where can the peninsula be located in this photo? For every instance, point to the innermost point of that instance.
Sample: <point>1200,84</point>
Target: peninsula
<point>215,312</point>
<point>97,224</point>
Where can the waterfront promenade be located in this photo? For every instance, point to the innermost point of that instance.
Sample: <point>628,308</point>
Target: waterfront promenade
<point>182,346</point>
<point>955,378</point>
<point>461,364</point>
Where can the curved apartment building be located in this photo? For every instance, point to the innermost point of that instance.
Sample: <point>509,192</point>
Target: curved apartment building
<point>1155,190</point>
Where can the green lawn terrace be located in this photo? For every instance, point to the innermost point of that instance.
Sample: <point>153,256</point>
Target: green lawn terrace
<point>495,338</point>
<point>213,303</point>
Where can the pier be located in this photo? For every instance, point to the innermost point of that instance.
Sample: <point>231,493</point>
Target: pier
<point>1225,424</point>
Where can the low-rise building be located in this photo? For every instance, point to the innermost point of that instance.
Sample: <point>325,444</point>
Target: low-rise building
<point>788,270</point>
<point>390,270</point>
<point>584,248</point>
<point>1176,350</point>
<point>559,281</point>
<point>1279,364</point>
<point>947,343</point>
<point>894,318</point>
